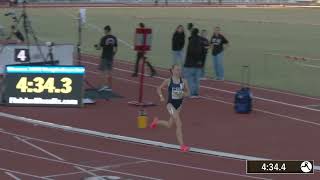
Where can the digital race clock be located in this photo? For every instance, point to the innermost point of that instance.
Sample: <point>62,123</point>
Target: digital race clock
<point>44,85</point>
<point>280,167</point>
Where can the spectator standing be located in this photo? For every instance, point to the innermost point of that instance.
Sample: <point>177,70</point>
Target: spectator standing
<point>205,47</point>
<point>194,63</point>
<point>177,45</point>
<point>218,43</point>
<point>109,45</point>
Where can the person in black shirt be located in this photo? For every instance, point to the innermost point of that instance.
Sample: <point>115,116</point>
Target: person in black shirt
<point>109,46</point>
<point>139,57</point>
<point>177,45</point>
<point>205,47</point>
<point>194,63</point>
<point>218,43</point>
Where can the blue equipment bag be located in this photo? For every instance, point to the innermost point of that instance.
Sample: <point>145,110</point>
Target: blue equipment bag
<point>243,97</point>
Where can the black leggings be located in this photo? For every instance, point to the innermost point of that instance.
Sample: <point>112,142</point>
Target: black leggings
<point>136,68</point>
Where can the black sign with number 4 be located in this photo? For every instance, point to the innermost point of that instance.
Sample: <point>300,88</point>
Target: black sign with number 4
<point>21,55</point>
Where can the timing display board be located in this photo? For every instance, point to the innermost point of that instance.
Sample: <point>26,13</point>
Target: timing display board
<point>13,54</point>
<point>44,85</point>
<point>21,55</point>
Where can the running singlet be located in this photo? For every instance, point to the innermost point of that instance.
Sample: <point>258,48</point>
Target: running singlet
<point>175,93</point>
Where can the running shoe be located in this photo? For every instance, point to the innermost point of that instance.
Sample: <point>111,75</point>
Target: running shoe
<point>154,123</point>
<point>184,148</point>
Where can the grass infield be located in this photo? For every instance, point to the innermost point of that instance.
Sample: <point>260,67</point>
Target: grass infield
<point>261,38</point>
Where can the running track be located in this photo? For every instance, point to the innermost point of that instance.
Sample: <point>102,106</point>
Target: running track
<point>281,127</point>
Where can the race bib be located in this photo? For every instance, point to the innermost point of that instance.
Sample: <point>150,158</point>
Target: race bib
<point>177,92</point>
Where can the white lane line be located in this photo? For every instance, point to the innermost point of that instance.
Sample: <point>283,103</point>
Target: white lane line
<point>228,82</point>
<point>226,91</point>
<point>103,167</point>
<point>225,102</point>
<point>93,26</point>
<point>260,98</point>
<point>266,112</point>
<point>43,150</point>
<point>39,148</point>
<point>75,164</point>
<point>99,29</point>
<point>25,174</point>
<point>125,164</point>
<point>313,105</point>
<point>154,143</point>
<point>90,173</point>
<point>138,158</point>
<point>12,176</point>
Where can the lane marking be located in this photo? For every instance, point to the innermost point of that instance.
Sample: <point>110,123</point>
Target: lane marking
<point>22,173</point>
<point>266,112</point>
<point>99,29</point>
<point>103,167</point>
<point>227,82</point>
<point>75,164</point>
<point>94,26</point>
<point>89,172</point>
<point>225,102</point>
<point>226,91</point>
<point>42,150</point>
<point>39,148</point>
<point>137,158</point>
<point>123,138</point>
<point>134,140</point>
<point>12,176</point>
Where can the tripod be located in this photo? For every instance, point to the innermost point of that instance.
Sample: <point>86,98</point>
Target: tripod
<point>87,101</point>
<point>50,54</point>
<point>29,30</point>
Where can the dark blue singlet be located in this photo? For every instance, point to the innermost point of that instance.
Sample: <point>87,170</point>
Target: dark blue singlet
<point>175,93</point>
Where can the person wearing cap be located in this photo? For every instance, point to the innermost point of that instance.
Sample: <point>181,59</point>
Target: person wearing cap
<point>109,45</point>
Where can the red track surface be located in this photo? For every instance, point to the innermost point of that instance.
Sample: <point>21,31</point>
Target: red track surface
<point>276,130</point>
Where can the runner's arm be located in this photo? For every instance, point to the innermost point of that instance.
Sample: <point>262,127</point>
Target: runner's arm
<point>186,93</point>
<point>159,89</point>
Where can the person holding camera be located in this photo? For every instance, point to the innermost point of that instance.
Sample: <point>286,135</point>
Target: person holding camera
<point>109,45</point>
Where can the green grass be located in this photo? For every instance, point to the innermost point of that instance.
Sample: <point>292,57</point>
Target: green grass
<point>252,33</point>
